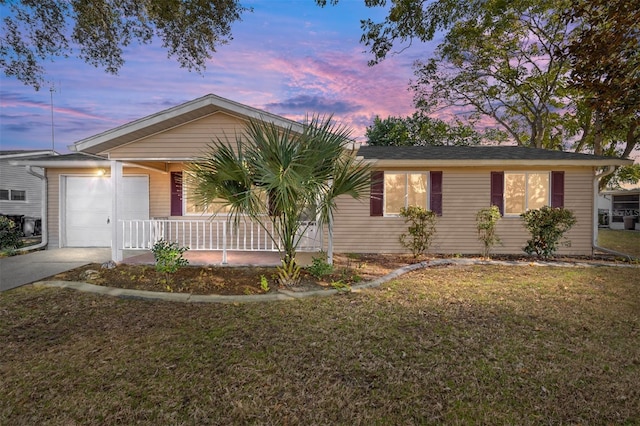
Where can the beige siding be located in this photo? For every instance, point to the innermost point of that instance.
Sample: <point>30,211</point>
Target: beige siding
<point>465,191</point>
<point>186,141</point>
<point>159,194</point>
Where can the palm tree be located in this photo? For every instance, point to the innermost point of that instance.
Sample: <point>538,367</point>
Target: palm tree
<point>273,174</point>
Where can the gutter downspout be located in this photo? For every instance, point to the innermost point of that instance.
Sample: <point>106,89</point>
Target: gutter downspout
<point>594,243</point>
<point>43,213</point>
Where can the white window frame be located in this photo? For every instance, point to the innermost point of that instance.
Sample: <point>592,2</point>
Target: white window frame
<point>10,195</point>
<point>406,183</point>
<point>526,189</point>
<point>19,190</point>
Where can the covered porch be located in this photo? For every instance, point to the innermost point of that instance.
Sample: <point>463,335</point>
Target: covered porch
<point>210,240</point>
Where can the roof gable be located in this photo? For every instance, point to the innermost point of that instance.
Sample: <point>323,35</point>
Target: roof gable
<point>174,117</point>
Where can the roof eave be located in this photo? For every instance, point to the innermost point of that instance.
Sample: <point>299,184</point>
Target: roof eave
<point>62,164</point>
<point>29,154</point>
<point>497,162</point>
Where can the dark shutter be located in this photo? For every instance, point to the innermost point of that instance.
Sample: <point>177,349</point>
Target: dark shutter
<point>176,193</point>
<point>557,189</point>
<point>497,190</point>
<point>435,201</point>
<point>376,198</point>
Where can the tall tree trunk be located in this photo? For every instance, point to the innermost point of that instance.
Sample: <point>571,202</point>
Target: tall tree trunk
<point>597,135</point>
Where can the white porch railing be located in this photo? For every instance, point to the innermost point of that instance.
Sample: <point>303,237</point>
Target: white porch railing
<point>210,235</point>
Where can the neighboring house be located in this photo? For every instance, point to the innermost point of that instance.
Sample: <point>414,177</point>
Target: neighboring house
<point>619,205</point>
<point>124,189</point>
<point>21,189</point>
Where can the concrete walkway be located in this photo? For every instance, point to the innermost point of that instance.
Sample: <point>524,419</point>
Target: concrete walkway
<point>289,295</point>
<point>28,268</point>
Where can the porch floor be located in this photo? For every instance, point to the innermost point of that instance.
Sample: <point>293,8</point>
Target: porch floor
<point>234,258</point>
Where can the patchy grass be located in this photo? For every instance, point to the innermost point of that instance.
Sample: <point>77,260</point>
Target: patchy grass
<point>623,241</point>
<point>455,345</point>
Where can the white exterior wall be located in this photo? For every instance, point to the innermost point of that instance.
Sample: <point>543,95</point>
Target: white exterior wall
<point>17,178</point>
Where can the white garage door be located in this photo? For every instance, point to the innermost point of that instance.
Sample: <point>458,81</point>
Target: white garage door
<point>88,211</point>
<point>88,208</point>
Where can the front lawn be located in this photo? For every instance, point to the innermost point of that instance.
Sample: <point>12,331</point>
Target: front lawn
<point>453,345</point>
<point>623,241</point>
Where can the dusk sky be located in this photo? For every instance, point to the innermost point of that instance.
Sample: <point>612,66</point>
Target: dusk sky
<point>290,58</point>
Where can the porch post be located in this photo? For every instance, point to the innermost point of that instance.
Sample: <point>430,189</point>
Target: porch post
<point>224,242</point>
<point>116,211</point>
<point>329,232</point>
<point>330,242</point>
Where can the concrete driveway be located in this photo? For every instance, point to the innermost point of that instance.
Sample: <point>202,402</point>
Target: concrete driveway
<point>27,268</point>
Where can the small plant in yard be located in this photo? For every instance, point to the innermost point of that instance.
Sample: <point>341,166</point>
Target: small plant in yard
<point>264,284</point>
<point>341,286</point>
<point>547,225</point>
<point>9,234</point>
<point>486,220</point>
<point>168,257</point>
<point>421,230</point>
<point>319,266</point>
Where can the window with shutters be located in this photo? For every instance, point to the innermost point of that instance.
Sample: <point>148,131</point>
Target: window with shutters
<point>404,190</point>
<point>525,191</point>
<point>391,191</point>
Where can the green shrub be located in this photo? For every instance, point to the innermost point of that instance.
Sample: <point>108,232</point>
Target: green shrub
<point>547,225</point>
<point>319,266</point>
<point>168,257</point>
<point>421,230</point>
<point>10,234</point>
<point>486,220</point>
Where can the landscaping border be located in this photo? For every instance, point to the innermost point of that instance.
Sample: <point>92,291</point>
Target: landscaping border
<point>291,295</point>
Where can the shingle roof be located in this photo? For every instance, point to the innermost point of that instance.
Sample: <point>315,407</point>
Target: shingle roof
<point>470,153</point>
<point>68,157</point>
<point>24,153</point>
<point>66,160</point>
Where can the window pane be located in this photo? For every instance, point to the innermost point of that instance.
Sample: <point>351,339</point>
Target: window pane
<point>394,192</point>
<point>537,190</point>
<point>4,194</point>
<point>18,195</point>
<point>417,190</point>
<point>514,189</point>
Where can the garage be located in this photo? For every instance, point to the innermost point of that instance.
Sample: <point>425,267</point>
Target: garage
<point>87,208</point>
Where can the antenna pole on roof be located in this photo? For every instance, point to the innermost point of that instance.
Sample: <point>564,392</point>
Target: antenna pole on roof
<point>53,141</point>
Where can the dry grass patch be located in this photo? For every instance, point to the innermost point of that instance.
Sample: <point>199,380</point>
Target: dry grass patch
<point>455,345</point>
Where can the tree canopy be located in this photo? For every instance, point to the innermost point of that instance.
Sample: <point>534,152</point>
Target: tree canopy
<point>604,53</point>
<point>36,31</point>
<point>556,74</point>
<point>421,130</point>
